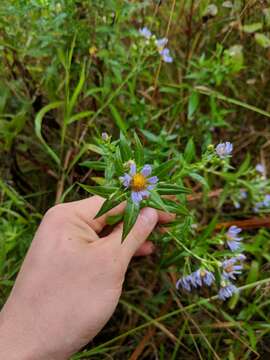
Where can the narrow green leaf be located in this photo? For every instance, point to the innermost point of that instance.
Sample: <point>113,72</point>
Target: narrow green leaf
<point>76,94</point>
<point>130,216</point>
<point>193,104</point>
<point>172,189</point>
<point>200,179</point>
<point>110,203</point>
<point>118,119</point>
<point>164,169</point>
<point>138,152</point>
<point>124,148</point>
<point>38,125</point>
<point>118,162</point>
<point>104,191</point>
<point>96,165</point>
<point>79,116</point>
<point>190,152</point>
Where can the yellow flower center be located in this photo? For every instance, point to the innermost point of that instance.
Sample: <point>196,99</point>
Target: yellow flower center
<point>138,182</point>
<point>203,273</point>
<point>229,268</point>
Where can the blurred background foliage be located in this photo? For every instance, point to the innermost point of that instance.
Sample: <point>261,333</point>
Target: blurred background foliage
<point>72,69</point>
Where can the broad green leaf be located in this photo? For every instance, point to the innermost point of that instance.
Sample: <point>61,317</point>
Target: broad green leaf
<point>138,151</point>
<point>118,119</point>
<point>130,216</point>
<point>104,191</point>
<point>38,125</point>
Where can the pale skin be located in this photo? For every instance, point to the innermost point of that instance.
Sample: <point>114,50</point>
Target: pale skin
<point>70,281</point>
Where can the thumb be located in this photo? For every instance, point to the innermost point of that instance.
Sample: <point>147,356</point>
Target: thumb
<point>143,227</point>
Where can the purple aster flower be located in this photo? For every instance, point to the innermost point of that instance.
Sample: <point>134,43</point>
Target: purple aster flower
<point>266,201</point>
<point>145,32</point>
<point>243,194</point>
<point>224,149</point>
<point>196,279</point>
<point>105,136</point>
<point>139,182</point>
<point>240,257</point>
<point>230,268</point>
<point>165,54</point>
<point>260,168</point>
<point>160,43</point>
<point>233,240</point>
<point>184,282</point>
<point>237,205</point>
<point>227,290</point>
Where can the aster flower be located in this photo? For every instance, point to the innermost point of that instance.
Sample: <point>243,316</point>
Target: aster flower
<point>266,200</point>
<point>145,32</point>
<point>105,136</point>
<point>227,290</point>
<point>233,240</point>
<point>160,43</point>
<point>243,194</point>
<point>224,149</point>
<point>260,168</point>
<point>196,279</point>
<point>165,54</point>
<point>139,182</point>
<point>184,282</point>
<point>230,268</point>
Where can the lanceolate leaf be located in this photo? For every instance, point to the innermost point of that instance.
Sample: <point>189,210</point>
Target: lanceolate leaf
<point>125,148</point>
<point>164,168</point>
<point>139,152</point>
<point>104,191</point>
<point>110,203</point>
<point>130,216</point>
<point>172,189</point>
<point>38,125</point>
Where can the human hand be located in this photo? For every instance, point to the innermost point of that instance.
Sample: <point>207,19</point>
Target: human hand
<point>70,281</point>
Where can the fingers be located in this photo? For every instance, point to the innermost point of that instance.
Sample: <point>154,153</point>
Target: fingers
<point>88,208</point>
<point>147,248</point>
<point>146,222</point>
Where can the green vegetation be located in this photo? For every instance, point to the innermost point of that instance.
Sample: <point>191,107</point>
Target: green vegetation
<point>74,69</point>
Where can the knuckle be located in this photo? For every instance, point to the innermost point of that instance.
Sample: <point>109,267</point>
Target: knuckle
<point>57,213</point>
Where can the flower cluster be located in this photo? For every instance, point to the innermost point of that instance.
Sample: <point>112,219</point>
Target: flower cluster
<point>224,149</point>
<point>228,269</point>
<point>233,240</point>
<point>196,279</point>
<point>160,44</point>
<point>139,182</point>
<point>265,203</point>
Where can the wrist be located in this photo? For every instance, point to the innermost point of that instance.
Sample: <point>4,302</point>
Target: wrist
<point>13,342</point>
